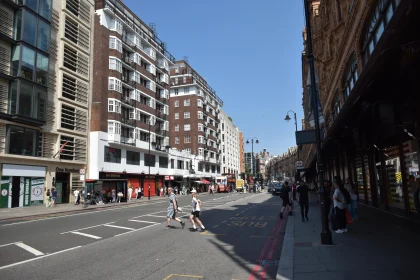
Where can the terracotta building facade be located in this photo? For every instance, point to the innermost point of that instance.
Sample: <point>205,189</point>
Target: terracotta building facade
<point>367,66</point>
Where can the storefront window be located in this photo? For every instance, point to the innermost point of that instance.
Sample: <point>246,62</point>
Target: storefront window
<point>112,155</point>
<point>411,168</point>
<point>22,141</point>
<point>360,181</point>
<point>133,158</point>
<point>393,168</point>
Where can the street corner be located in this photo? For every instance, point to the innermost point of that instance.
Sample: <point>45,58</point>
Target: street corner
<point>183,276</point>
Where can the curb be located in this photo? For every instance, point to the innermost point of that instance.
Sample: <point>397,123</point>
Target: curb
<point>286,263</point>
<point>77,210</point>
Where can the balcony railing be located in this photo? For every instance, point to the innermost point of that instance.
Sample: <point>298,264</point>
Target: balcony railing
<point>128,140</point>
<point>128,41</point>
<point>128,121</point>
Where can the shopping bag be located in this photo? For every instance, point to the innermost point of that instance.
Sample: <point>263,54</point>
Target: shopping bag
<point>349,220</point>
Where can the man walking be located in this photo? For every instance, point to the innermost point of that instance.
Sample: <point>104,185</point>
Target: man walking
<point>303,192</point>
<point>172,209</point>
<point>286,196</point>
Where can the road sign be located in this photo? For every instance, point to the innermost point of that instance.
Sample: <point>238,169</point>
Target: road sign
<point>82,171</point>
<point>299,164</point>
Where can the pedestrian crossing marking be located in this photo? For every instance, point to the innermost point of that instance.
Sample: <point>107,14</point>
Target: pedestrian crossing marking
<point>87,235</point>
<point>156,216</point>
<point>114,226</point>
<point>29,249</point>
<point>183,275</point>
<point>147,222</point>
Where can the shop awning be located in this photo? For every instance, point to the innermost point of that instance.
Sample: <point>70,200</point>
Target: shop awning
<point>204,181</point>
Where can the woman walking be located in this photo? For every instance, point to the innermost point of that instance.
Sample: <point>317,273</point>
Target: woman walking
<point>195,213</point>
<point>340,205</point>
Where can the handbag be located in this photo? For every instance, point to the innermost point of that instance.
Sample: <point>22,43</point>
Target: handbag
<point>349,220</point>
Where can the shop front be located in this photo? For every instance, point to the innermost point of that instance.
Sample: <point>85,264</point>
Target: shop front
<point>26,185</point>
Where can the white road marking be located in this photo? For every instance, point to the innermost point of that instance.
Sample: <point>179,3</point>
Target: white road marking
<point>147,222</point>
<point>149,214</point>
<point>215,226</point>
<point>156,216</point>
<point>86,228</point>
<point>114,226</point>
<point>29,249</point>
<point>33,259</point>
<point>87,235</point>
<point>9,244</point>
<point>135,230</point>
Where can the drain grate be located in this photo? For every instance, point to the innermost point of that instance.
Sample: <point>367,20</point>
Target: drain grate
<point>269,262</point>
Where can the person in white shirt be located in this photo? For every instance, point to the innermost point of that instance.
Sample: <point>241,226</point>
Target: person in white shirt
<point>130,192</point>
<point>195,213</point>
<point>76,196</point>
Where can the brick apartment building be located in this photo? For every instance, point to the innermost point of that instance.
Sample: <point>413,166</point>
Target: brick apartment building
<point>195,124</point>
<point>45,74</point>
<point>129,101</point>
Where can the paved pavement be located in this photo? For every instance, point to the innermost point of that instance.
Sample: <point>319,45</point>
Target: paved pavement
<point>242,241</point>
<point>372,249</point>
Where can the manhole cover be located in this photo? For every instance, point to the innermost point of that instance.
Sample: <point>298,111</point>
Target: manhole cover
<point>269,262</point>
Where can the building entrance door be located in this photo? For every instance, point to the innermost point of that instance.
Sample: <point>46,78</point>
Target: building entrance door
<point>16,191</point>
<point>63,187</point>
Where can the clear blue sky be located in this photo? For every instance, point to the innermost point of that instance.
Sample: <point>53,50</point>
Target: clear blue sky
<point>249,51</point>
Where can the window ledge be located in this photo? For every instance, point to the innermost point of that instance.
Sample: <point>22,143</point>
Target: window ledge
<point>27,120</point>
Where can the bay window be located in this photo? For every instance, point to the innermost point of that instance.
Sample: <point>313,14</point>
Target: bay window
<point>22,141</point>
<point>27,100</point>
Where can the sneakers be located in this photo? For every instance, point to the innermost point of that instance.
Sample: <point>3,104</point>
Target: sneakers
<point>344,230</point>
<point>338,231</point>
<point>182,224</point>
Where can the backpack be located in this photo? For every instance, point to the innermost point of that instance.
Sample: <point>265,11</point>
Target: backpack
<point>284,193</point>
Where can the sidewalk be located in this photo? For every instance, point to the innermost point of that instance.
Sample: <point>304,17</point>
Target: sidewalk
<point>371,249</point>
<point>41,210</point>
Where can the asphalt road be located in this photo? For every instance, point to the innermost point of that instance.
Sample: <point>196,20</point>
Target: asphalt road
<point>242,240</point>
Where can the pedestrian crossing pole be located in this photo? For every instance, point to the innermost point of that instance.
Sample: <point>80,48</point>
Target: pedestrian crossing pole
<point>326,237</point>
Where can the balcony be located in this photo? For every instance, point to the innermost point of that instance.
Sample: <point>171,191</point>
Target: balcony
<point>159,82</point>
<point>127,82</point>
<point>159,131</point>
<point>128,101</point>
<point>128,63</point>
<point>128,121</point>
<point>160,114</point>
<point>128,141</point>
<point>128,42</point>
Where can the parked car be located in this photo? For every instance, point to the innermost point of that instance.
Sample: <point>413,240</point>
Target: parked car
<point>277,188</point>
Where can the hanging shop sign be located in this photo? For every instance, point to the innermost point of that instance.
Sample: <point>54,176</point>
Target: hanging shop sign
<point>169,178</point>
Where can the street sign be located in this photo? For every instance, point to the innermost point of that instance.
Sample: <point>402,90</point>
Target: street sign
<point>82,171</point>
<point>299,164</point>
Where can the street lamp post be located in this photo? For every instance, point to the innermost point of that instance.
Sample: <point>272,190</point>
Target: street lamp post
<point>252,155</point>
<point>287,118</point>
<point>149,161</point>
<point>326,237</point>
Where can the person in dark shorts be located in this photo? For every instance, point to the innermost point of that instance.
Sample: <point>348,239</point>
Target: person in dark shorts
<point>303,192</point>
<point>195,213</point>
<point>286,196</point>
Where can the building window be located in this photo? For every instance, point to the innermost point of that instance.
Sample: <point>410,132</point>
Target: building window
<point>187,139</point>
<point>187,127</point>
<point>114,106</point>
<point>176,91</point>
<point>27,100</point>
<point>176,140</point>
<point>379,19</point>
<point>163,162</point>
<point>112,155</point>
<point>114,84</point>
<point>115,43</point>
<point>200,115</point>
<point>176,103</point>
<point>184,80</point>
<point>68,151</point>
<point>115,64</point>
<point>351,77</point>
<point>337,106</point>
<point>149,160</point>
<point>22,141</point>
<point>176,81</point>
<point>186,115</point>
<point>29,64</point>
<point>188,151</point>
<point>114,127</point>
<point>133,158</point>
<point>177,116</point>
<point>199,103</point>
<point>200,127</point>
<point>186,102</point>
<point>177,127</point>
<point>187,90</point>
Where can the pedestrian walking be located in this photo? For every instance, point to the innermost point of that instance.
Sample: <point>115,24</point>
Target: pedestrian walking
<point>53,197</point>
<point>130,192</point>
<point>76,196</point>
<point>48,204</point>
<point>195,213</point>
<point>172,209</point>
<point>303,193</point>
<point>211,190</point>
<point>286,196</point>
<point>352,207</point>
<point>340,205</point>
<point>415,188</point>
